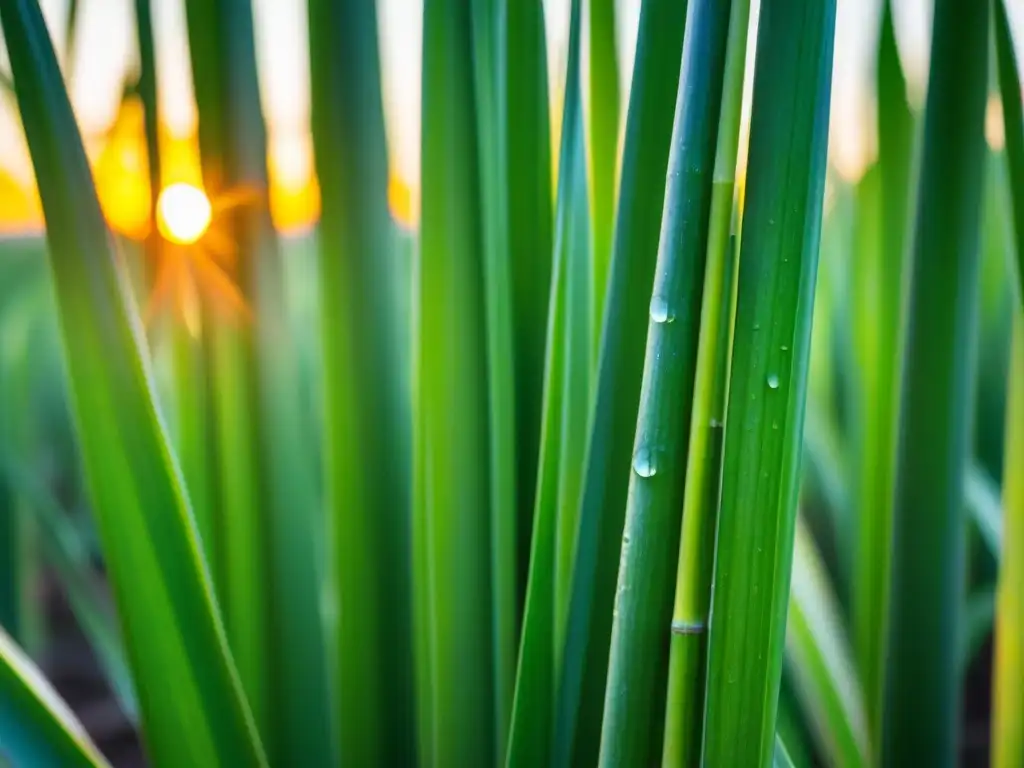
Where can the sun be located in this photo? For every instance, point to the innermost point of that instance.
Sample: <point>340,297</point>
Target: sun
<point>183,213</point>
<point>196,259</point>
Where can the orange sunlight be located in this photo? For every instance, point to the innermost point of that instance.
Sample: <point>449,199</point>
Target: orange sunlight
<point>183,213</point>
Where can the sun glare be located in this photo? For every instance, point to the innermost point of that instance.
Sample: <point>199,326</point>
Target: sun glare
<point>183,213</point>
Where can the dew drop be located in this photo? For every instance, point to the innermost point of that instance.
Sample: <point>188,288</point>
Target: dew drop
<point>660,311</point>
<point>643,463</point>
<point>785,348</point>
<point>716,424</point>
<point>773,381</point>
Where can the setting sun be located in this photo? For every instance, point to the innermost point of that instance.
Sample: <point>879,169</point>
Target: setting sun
<point>183,213</point>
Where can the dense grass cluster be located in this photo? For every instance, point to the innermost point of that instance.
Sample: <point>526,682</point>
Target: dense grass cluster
<point>655,457</point>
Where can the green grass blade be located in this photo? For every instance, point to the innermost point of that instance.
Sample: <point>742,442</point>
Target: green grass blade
<point>525,128</point>
<point>563,438</point>
<point>632,730</point>
<point>821,660</point>
<point>601,113</point>
<point>768,387</point>
<point>979,620</point>
<point>1008,666</point>
<point>365,405</point>
<point>684,716</point>
<point>781,758</point>
<point>922,695</point>
<point>36,727</point>
<point>878,299</point>
<point>617,388</point>
<point>171,626</point>
<point>270,570</point>
<point>1013,118</point>
<point>501,382</point>
<point>451,537</point>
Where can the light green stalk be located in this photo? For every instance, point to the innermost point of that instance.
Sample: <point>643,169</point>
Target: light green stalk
<point>617,386</point>
<point>451,492</point>
<point>878,299</point>
<point>632,730</point>
<point>922,687</point>
<point>601,112</point>
<point>1008,666</point>
<point>768,384</point>
<point>684,717</point>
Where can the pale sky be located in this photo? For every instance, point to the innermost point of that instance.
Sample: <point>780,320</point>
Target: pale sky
<point>106,48</point>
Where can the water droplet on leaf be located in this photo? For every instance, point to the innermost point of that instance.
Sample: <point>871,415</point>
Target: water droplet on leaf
<point>660,311</point>
<point>773,381</point>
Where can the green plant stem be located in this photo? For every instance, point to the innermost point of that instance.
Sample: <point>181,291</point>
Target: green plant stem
<point>365,405</point>
<point>617,387</point>
<point>922,692</point>
<point>451,527</point>
<point>880,287</point>
<point>1013,121</point>
<point>525,129</point>
<point>684,717</point>
<point>632,730</point>
<point>1008,666</point>
<point>271,571</point>
<point>768,384</point>
<point>601,112</point>
<point>501,384</point>
<point>563,438</point>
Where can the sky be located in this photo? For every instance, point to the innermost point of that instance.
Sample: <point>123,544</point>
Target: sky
<point>105,51</point>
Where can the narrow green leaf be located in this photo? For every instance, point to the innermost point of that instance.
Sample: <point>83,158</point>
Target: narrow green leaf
<point>922,693</point>
<point>617,388</point>
<point>601,112</point>
<point>525,127</point>
<point>501,381</point>
<point>1008,666</point>
<point>979,619</point>
<point>270,572</point>
<point>821,661</point>
<point>781,758</point>
<point>36,727</point>
<point>451,530</point>
<point>876,313</point>
<point>1013,119</point>
<point>768,386</point>
<point>632,730</point>
<point>170,623</point>
<point>684,715</point>
<point>365,407</point>
<point>563,438</point>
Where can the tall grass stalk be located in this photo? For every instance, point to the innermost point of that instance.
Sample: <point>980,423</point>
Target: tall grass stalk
<point>684,711</point>
<point>768,385</point>
<point>365,404</point>
<point>878,300</point>
<point>632,729</point>
<point>451,527</point>
<point>266,536</point>
<point>922,693</point>
<point>168,616</point>
<point>525,131</point>
<point>505,535</point>
<point>1008,666</point>
<point>617,386</point>
<point>563,437</point>
<point>601,107</point>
